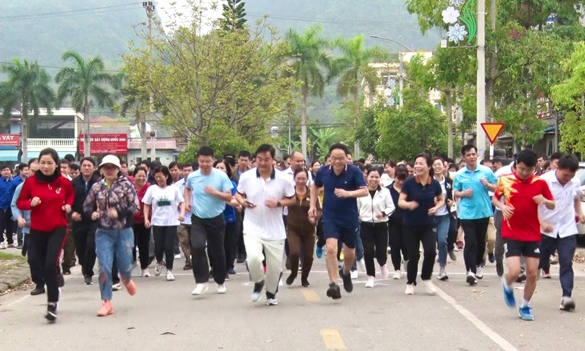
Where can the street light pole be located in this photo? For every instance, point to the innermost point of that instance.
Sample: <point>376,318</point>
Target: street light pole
<point>149,7</point>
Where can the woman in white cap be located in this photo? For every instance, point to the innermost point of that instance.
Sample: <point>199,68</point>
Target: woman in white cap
<point>112,203</point>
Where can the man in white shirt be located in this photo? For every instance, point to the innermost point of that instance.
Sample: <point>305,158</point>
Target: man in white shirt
<point>558,226</point>
<point>264,191</point>
<point>499,249</point>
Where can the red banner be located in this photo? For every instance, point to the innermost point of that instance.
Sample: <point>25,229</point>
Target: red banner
<point>100,144</point>
<point>9,140</point>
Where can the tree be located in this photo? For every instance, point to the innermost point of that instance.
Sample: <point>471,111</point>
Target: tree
<point>353,67</point>
<point>323,140</point>
<point>233,16</point>
<point>85,83</point>
<point>570,95</point>
<point>367,131</point>
<point>415,128</point>
<point>135,104</point>
<point>308,63</point>
<point>207,84</point>
<point>28,87</point>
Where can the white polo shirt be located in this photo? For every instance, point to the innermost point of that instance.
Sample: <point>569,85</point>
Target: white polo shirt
<point>263,222</point>
<point>562,218</point>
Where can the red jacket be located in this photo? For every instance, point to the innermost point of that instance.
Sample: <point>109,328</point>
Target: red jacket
<point>49,214</point>
<point>139,216</point>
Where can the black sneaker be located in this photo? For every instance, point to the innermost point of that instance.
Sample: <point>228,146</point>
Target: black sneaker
<point>305,282</point>
<point>241,258</point>
<point>521,278</point>
<point>291,279</point>
<point>39,290</point>
<point>491,257</point>
<point>187,267</point>
<point>471,279</point>
<point>61,280</point>
<point>500,268</point>
<point>51,314</point>
<point>347,283</point>
<point>334,292</point>
<point>88,280</point>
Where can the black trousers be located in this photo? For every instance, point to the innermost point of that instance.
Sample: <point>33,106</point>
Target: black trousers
<point>6,224</point>
<point>141,240</point>
<point>241,247</point>
<point>210,233</point>
<point>230,243</point>
<point>397,239</point>
<point>475,231</point>
<point>415,236</point>
<point>375,241</point>
<point>164,243</point>
<point>48,246</point>
<point>36,270</point>
<point>85,248</point>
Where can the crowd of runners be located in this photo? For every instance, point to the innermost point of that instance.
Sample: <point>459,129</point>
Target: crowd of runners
<point>275,214</point>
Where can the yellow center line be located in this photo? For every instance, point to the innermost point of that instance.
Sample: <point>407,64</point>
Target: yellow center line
<point>332,339</point>
<point>310,295</point>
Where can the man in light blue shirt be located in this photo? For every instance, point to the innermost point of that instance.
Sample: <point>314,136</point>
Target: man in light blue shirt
<point>210,189</point>
<point>472,185</point>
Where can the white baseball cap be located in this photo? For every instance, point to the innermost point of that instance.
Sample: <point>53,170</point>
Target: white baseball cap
<point>110,159</point>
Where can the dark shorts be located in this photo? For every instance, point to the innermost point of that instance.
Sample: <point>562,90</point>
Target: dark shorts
<point>346,233</point>
<point>522,248</point>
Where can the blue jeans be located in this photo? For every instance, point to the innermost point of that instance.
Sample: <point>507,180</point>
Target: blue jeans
<point>442,231</point>
<point>110,243</point>
<point>359,252</point>
<point>566,249</point>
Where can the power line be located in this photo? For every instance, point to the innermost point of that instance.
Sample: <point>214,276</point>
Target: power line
<point>101,9</point>
<point>57,67</point>
<point>317,20</point>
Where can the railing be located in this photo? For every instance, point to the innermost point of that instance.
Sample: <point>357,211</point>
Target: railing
<point>53,143</point>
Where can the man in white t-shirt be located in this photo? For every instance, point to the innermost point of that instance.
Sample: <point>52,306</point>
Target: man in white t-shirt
<point>264,191</point>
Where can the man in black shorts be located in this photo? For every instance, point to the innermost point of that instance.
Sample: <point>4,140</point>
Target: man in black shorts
<point>343,183</point>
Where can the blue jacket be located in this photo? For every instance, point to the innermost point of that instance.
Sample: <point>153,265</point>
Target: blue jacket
<point>18,213</point>
<point>5,193</point>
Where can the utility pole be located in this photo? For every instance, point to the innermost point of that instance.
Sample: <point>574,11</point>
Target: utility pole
<point>149,7</point>
<point>480,135</point>
<point>401,69</point>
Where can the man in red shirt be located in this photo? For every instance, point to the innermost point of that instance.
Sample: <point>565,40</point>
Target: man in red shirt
<point>523,193</point>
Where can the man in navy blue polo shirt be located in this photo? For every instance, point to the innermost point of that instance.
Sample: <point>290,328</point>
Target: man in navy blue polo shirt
<point>343,184</point>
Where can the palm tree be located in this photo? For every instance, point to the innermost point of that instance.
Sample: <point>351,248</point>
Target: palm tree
<point>27,86</point>
<point>309,63</point>
<point>86,80</point>
<point>354,70</point>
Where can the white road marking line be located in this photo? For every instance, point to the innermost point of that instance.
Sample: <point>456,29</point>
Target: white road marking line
<point>490,333</point>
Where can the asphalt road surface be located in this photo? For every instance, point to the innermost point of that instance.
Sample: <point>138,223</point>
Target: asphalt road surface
<point>165,316</point>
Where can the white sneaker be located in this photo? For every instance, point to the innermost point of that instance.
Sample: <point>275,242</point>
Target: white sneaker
<point>117,287</point>
<point>354,275</point>
<point>145,273</point>
<point>221,289</point>
<point>479,272</point>
<point>431,289</point>
<point>409,289</point>
<point>3,245</point>
<point>200,289</point>
<point>177,256</point>
<point>397,275</point>
<point>371,282</point>
<point>443,274</point>
<point>272,302</point>
<point>158,269</point>
<point>384,272</point>
<point>170,276</point>
<point>567,304</point>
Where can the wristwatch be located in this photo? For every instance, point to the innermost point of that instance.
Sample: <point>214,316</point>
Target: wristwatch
<point>278,204</point>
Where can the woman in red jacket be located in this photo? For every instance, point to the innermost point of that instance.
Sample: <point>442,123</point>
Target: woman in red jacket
<point>49,196</point>
<point>141,233</point>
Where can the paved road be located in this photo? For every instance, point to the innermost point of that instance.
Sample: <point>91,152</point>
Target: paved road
<point>164,316</point>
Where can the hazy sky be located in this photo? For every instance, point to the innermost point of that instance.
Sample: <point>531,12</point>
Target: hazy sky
<point>167,8</point>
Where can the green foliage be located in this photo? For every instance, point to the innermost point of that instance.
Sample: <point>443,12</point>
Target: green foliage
<point>322,139</point>
<point>570,95</point>
<point>367,131</point>
<point>233,16</point>
<point>201,82</point>
<point>417,127</point>
<point>87,79</point>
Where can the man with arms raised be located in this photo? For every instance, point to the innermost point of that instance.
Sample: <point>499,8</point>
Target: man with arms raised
<point>343,183</point>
